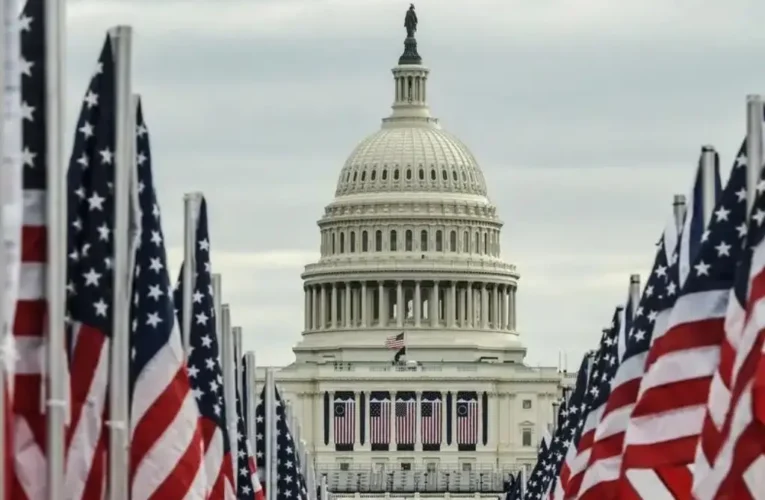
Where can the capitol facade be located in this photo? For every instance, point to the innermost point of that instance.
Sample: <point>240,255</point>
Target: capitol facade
<point>411,358</point>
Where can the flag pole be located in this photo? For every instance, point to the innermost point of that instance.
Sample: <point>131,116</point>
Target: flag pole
<point>121,37</point>
<point>251,401</point>
<point>57,411</point>
<point>269,414</point>
<point>708,182</point>
<point>678,210</point>
<point>237,333</point>
<point>217,286</point>
<point>634,292</point>
<point>229,380</point>
<point>191,204</point>
<point>754,153</point>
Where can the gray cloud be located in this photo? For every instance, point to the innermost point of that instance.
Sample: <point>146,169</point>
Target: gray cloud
<point>586,116</point>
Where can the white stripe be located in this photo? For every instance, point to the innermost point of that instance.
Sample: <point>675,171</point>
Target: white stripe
<point>32,281</point>
<point>30,358</point>
<point>29,461</point>
<point>661,427</point>
<point>213,458</point>
<point>679,366</point>
<point>648,485</point>
<point>35,204</point>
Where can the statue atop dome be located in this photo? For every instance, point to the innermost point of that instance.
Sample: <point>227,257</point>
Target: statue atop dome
<point>410,55</point>
<point>410,21</point>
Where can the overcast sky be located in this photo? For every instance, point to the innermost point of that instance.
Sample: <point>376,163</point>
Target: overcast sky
<point>585,115</point>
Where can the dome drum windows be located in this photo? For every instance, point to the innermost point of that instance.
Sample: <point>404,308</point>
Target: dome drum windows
<point>353,241</point>
<point>364,242</point>
<point>393,241</point>
<point>453,241</point>
<point>424,240</point>
<point>378,241</point>
<point>439,241</point>
<point>408,240</point>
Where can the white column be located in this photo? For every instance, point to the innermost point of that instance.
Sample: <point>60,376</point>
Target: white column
<point>333,306</point>
<point>496,315</point>
<point>513,318</point>
<point>383,311</point>
<point>452,305</point>
<point>463,297</point>
<point>484,306</point>
<point>392,420</point>
<point>400,309</point>
<point>347,306</point>
<point>356,306</point>
<point>417,304</point>
<point>454,419</point>
<point>306,309</point>
<point>470,303</point>
<point>417,420</point>
<point>331,419</point>
<point>323,310</point>
<point>364,303</point>
<point>434,305</point>
<point>502,307</point>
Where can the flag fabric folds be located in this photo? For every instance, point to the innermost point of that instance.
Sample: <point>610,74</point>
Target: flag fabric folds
<point>166,436</point>
<point>90,213</point>
<point>204,368</point>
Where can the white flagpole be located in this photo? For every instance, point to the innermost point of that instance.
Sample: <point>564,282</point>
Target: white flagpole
<point>237,333</point>
<point>191,204</point>
<point>217,305</point>
<point>229,380</point>
<point>10,208</point>
<point>57,411</point>
<point>324,493</point>
<point>269,413</point>
<point>121,37</point>
<point>251,401</point>
<point>754,146</point>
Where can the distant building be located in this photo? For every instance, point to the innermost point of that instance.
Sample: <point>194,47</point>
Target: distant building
<point>411,244</point>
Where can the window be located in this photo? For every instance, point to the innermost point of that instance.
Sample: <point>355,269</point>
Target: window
<point>432,174</point>
<point>342,242</point>
<point>406,465</point>
<point>422,174</point>
<point>466,242</point>
<point>526,404</point>
<point>353,241</point>
<point>454,175</point>
<point>526,437</point>
<point>333,243</point>
<point>445,175</point>
<point>355,174</point>
<point>485,243</point>
<point>476,243</point>
<point>439,241</point>
<point>378,241</point>
<point>379,466</point>
<point>431,466</point>
<point>453,241</point>
<point>374,174</point>
<point>408,243</point>
<point>363,176</point>
<point>393,242</point>
<point>364,242</point>
<point>345,466</point>
<point>424,241</point>
<point>385,174</point>
<point>409,174</point>
<point>466,466</point>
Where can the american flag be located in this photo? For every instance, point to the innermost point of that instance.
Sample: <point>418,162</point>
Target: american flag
<point>395,342</point>
<point>467,419</point>
<point>205,371</point>
<point>430,414</point>
<point>605,458</point>
<point>166,444</point>
<point>514,489</point>
<point>344,422</point>
<point>596,398</point>
<point>248,486</point>
<point>290,482</point>
<point>565,434</point>
<point>90,215</point>
<point>667,419</point>
<point>569,466</point>
<point>27,478</point>
<point>379,420</point>
<point>730,453</point>
<point>544,462</point>
<point>406,415</point>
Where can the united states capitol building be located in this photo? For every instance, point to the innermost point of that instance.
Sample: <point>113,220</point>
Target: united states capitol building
<point>410,248</point>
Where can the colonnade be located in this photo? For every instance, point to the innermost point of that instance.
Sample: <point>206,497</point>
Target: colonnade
<point>410,303</point>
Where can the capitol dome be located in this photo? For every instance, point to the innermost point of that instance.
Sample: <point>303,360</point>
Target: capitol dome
<point>410,244</point>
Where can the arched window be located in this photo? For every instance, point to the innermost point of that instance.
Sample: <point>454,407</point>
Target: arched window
<point>355,174</point>
<point>422,174</point>
<point>409,174</point>
<point>439,241</point>
<point>353,241</point>
<point>453,241</point>
<point>364,242</point>
<point>378,241</point>
<point>466,242</point>
<point>432,174</point>
<point>342,242</point>
<point>485,243</point>
<point>374,174</point>
<point>333,243</point>
<point>445,175</point>
<point>454,175</point>
<point>363,176</point>
<point>393,242</point>
<point>385,175</point>
<point>477,243</point>
<point>424,241</point>
<point>408,236</point>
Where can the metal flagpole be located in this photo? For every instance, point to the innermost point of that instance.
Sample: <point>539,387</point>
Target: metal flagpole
<point>251,401</point>
<point>121,37</point>
<point>217,303</point>
<point>269,414</point>
<point>324,493</point>
<point>754,145</point>
<point>237,334</point>
<point>229,380</point>
<point>191,204</point>
<point>708,181</point>
<point>57,411</point>
<point>678,210</point>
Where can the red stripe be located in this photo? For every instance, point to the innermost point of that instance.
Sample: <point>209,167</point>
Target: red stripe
<point>85,359</point>
<point>34,244</point>
<point>179,481</point>
<point>30,318</point>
